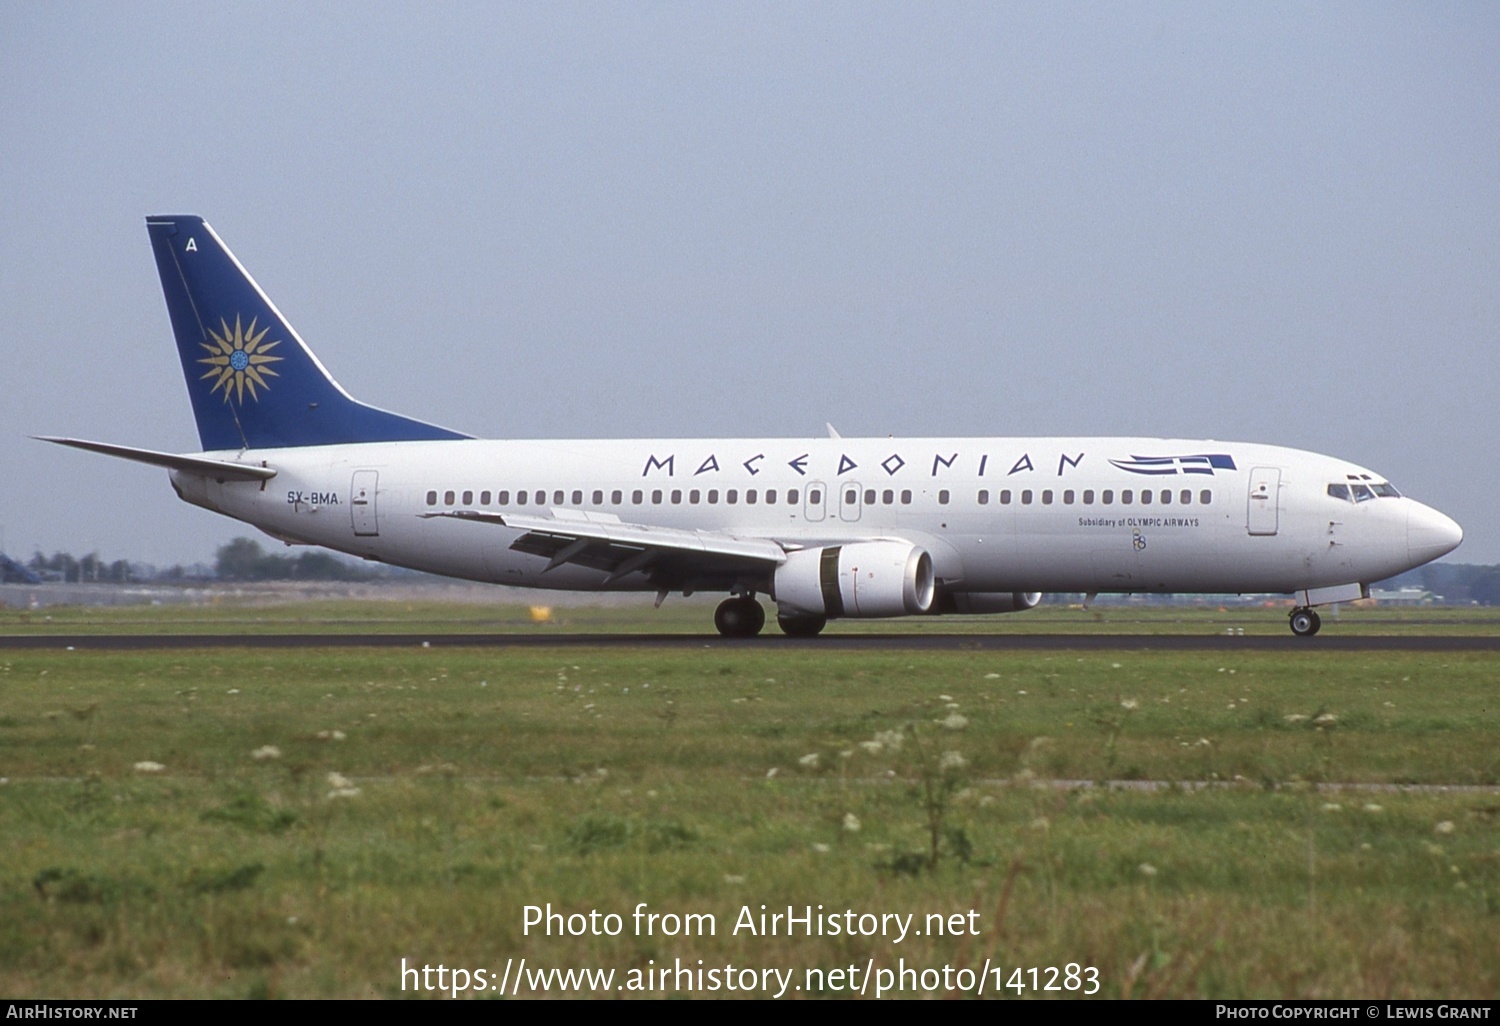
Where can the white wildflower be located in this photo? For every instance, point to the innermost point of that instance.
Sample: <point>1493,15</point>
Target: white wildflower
<point>873,747</point>
<point>945,698</point>
<point>952,761</point>
<point>772,772</point>
<point>851,822</point>
<point>821,848</point>
<point>343,792</point>
<point>1147,870</point>
<point>892,739</point>
<point>991,676</point>
<point>1372,807</point>
<point>1294,718</point>
<point>809,761</point>
<point>1332,807</point>
<point>1129,703</point>
<point>1445,827</point>
<point>1326,720</point>
<point>265,753</point>
<point>148,766</point>
<point>338,780</point>
<point>954,721</point>
<point>232,691</point>
<point>730,878</point>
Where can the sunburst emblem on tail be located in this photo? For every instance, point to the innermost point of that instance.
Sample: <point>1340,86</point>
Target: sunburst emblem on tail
<point>238,360</point>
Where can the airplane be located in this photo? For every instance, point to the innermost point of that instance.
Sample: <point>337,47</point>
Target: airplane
<point>825,528</point>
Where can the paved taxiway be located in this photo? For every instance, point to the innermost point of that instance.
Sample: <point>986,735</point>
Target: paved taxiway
<point>830,643</point>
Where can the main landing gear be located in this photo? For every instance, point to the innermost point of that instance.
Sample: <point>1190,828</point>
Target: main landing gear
<point>743,617</point>
<point>801,626</point>
<point>739,617</point>
<point>1304,622</point>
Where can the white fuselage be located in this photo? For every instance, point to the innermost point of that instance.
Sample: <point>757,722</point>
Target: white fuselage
<point>996,514</point>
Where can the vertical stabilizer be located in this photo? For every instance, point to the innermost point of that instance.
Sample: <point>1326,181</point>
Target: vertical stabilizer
<point>253,382</point>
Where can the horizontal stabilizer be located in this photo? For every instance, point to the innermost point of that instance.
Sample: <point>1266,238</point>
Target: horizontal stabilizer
<point>203,465</point>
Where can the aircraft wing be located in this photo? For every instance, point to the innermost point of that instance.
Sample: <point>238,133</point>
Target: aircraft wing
<point>673,557</point>
<point>204,465</point>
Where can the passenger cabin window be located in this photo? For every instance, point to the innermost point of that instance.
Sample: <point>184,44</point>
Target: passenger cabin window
<point>1107,497</point>
<point>694,496</point>
<point>468,498</point>
<point>1026,497</point>
<point>540,498</point>
<point>520,498</point>
<point>432,498</point>
<point>869,496</point>
<point>906,496</point>
<point>732,496</point>
<point>814,496</point>
<point>750,496</point>
<point>984,497</point>
<point>1205,497</point>
<point>558,500</point>
<point>943,497</point>
<point>1005,496</point>
<point>616,497</point>
<point>887,497</point>
<point>656,496</point>
<point>637,497</point>
<point>1145,497</point>
<point>676,496</point>
<point>713,496</point>
<point>770,496</point>
<point>1068,497</point>
<point>502,498</point>
<point>1125,497</point>
<point>484,498</point>
<point>1047,497</point>
<point>447,498</point>
<point>598,497</point>
<point>791,496</point>
<point>1088,496</point>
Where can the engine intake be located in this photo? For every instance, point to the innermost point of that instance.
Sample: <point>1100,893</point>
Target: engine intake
<point>863,579</point>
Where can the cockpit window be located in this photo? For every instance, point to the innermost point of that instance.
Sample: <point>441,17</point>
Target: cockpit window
<point>1357,492</point>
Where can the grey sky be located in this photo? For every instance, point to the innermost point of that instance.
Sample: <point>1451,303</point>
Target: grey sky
<point>1260,222</point>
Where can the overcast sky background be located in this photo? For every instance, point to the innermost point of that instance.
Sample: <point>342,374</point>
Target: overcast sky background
<point>1266,222</point>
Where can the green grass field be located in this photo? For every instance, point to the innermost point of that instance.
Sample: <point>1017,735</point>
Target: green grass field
<point>417,801</point>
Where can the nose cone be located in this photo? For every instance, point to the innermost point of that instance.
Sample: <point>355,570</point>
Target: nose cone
<point>1430,534</point>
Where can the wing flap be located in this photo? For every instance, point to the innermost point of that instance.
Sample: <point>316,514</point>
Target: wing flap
<point>602,541</point>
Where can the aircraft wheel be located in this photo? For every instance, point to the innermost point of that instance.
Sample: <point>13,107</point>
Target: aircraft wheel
<point>1305,623</point>
<point>802,626</point>
<point>739,618</point>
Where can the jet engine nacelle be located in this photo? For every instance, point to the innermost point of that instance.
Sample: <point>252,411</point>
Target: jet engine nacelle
<point>874,578</point>
<point>979,602</point>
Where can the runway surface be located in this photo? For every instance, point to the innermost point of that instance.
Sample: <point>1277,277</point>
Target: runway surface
<point>771,642</point>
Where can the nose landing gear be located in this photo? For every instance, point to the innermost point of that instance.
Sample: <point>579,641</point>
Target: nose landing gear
<point>1304,622</point>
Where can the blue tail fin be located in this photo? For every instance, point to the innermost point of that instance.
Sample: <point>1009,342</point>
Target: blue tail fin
<point>253,382</point>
